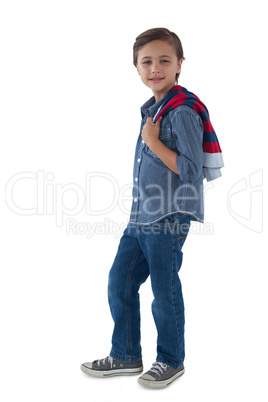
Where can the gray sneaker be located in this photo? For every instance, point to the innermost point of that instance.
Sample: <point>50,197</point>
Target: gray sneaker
<point>108,367</point>
<point>160,375</point>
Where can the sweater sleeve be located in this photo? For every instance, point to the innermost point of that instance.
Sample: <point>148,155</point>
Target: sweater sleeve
<point>187,129</point>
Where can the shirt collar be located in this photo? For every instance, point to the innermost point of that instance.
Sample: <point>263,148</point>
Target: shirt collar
<point>151,106</point>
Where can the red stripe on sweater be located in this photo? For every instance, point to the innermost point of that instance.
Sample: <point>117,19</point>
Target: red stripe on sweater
<point>208,126</point>
<point>211,147</point>
<point>199,107</point>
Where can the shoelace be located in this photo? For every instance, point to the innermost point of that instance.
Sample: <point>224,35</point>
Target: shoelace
<point>103,361</point>
<point>159,368</point>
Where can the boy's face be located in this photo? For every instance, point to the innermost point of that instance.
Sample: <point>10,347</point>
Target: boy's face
<point>157,65</point>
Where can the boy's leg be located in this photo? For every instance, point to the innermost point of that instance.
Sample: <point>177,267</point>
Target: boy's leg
<point>162,244</point>
<point>129,270</point>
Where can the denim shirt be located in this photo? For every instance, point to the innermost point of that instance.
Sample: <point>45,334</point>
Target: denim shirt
<point>158,191</point>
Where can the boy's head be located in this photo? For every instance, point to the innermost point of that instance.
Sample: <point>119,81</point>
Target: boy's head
<point>159,34</point>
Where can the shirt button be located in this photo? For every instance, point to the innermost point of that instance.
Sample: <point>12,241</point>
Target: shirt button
<point>139,160</point>
<point>136,179</point>
<point>142,142</point>
<point>135,199</point>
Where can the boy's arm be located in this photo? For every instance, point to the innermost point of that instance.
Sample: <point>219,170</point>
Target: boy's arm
<point>187,129</point>
<point>167,156</point>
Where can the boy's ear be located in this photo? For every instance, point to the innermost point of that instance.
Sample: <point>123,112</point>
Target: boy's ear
<point>179,65</point>
<point>137,69</point>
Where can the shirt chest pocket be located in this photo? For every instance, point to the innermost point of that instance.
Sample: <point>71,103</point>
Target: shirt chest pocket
<point>167,139</point>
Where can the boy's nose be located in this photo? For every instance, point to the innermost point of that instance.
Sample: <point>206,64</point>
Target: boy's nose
<point>155,68</point>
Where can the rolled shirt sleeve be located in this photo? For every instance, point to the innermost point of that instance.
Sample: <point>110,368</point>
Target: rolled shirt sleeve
<point>187,128</point>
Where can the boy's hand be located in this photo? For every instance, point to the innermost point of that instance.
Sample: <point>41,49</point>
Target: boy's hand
<point>150,131</point>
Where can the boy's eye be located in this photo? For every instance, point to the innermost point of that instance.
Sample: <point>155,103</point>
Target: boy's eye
<point>149,61</point>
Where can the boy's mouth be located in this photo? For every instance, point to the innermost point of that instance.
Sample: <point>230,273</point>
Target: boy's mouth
<point>156,79</point>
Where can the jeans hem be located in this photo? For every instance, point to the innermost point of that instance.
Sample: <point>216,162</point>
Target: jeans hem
<point>126,359</point>
<point>170,363</point>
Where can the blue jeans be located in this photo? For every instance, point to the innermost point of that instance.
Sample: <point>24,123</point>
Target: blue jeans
<point>155,250</point>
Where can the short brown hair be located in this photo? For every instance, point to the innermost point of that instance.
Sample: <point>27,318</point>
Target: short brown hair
<point>158,34</point>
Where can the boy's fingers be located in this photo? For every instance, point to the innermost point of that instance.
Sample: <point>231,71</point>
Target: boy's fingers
<point>159,121</point>
<point>150,120</point>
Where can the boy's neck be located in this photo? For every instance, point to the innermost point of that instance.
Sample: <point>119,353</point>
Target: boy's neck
<point>157,96</point>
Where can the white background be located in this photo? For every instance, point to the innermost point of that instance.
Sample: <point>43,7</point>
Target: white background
<point>70,99</point>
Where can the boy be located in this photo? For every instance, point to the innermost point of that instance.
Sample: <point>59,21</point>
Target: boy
<point>177,147</point>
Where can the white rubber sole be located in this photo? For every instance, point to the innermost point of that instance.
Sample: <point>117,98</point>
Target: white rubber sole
<point>111,373</point>
<point>160,384</point>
